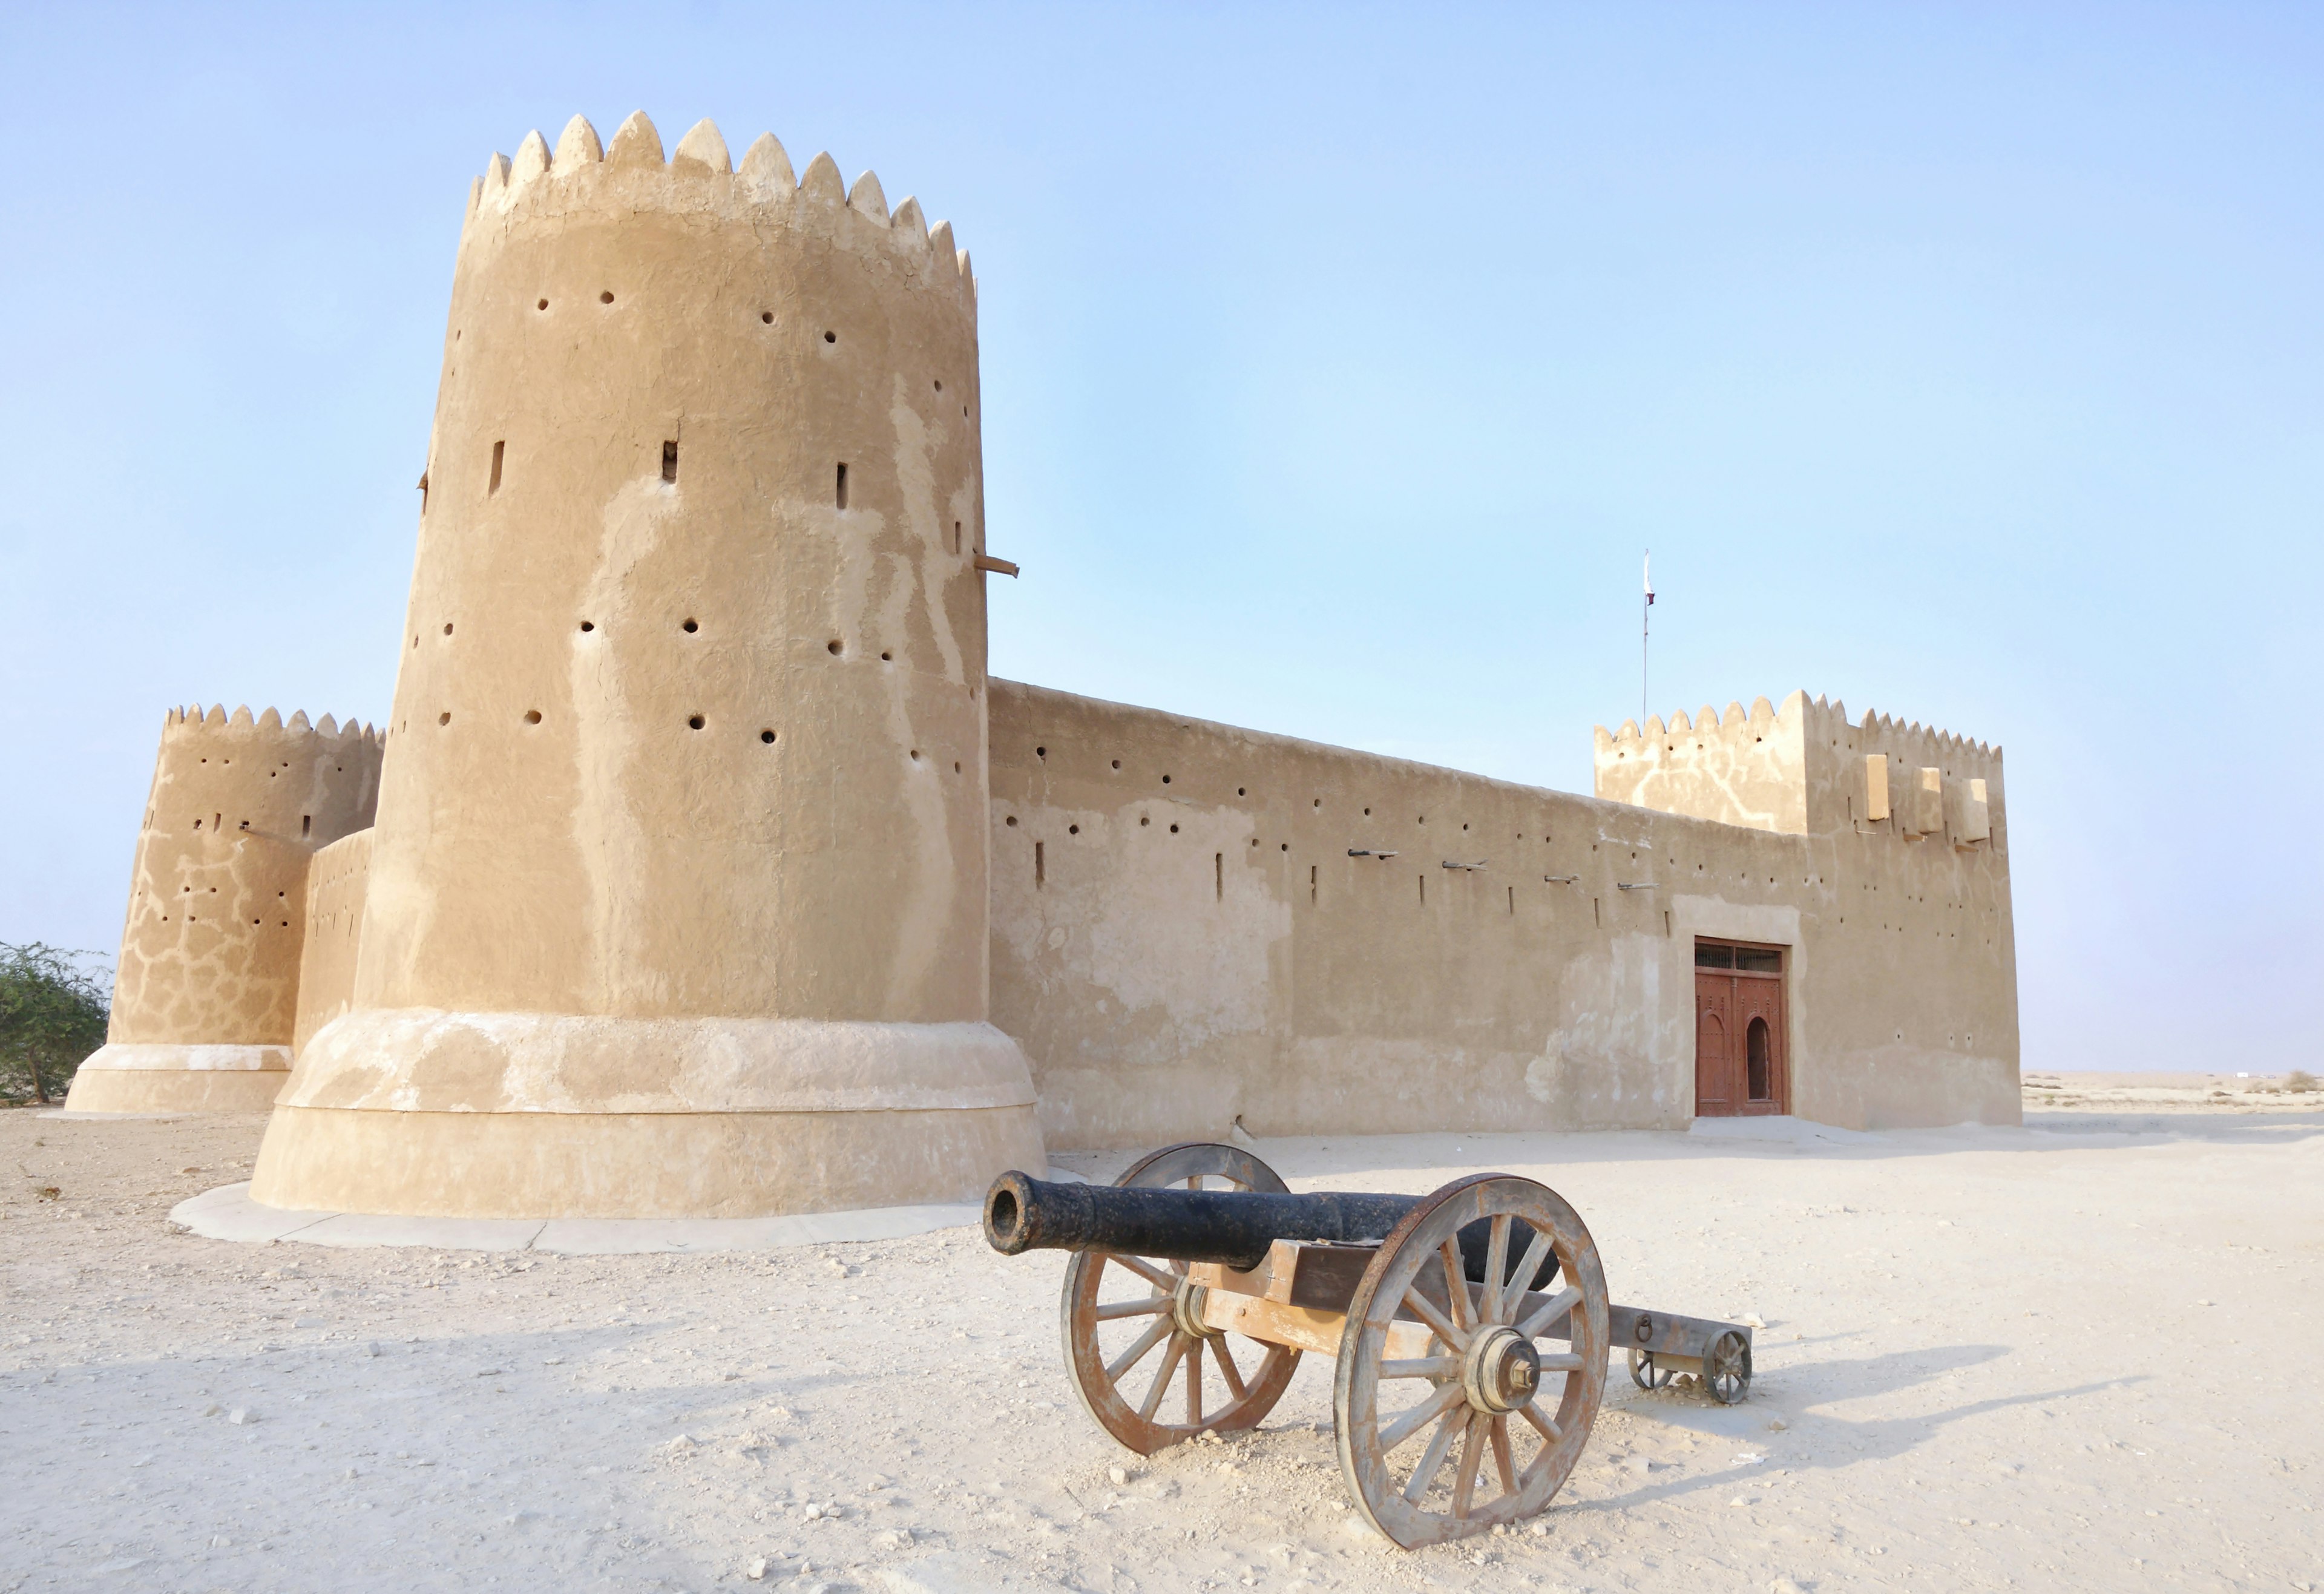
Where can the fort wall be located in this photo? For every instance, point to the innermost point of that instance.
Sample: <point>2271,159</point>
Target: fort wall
<point>1194,924</point>
<point>337,877</point>
<point>206,987</point>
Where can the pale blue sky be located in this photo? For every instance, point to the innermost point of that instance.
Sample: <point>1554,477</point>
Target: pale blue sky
<point>1966,363</point>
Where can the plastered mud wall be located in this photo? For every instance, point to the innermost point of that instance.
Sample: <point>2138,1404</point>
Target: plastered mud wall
<point>205,995</point>
<point>337,879</point>
<point>1194,924</point>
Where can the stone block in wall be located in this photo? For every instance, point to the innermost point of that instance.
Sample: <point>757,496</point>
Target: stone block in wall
<point>1876,785</point>
<point>1923,809</point>
<point>1968,816</point>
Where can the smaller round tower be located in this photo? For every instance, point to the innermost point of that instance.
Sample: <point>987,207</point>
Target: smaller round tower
<point>207,988</point>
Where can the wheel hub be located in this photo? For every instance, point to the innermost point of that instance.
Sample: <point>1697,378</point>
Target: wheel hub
<point>1502,1370</point>
<point>1187,1305</point>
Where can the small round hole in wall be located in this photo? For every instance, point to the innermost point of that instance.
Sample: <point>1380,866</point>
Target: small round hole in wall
<point>693,722</point>
<point>831,337</point>
<point>1165,780</point>
<point>1286,846</point>
<point>1367,813</point>
<point>831,647</point>
<point>767,736</point>
<point>448,628</point>
<point>1041,752</point>
<point>915,755</point>
<point>955,765</point>
<point>1012,821</point>
<point>768,316</point>
<point>689,626</point>
<point>1238,791</point>
<point>1073,830</point>
<point>1117,763</point>
<point>886,657</point>
<point>541,306</point>
<point>1142,819</point>
<point>607,297</point>
<point>532,717</point>
<point>939,387</point>
<point>445,718</point>
<point>589,626</point>
<point>1174,830</point>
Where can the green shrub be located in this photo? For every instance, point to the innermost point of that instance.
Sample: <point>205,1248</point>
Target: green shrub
<point>53,1010</point>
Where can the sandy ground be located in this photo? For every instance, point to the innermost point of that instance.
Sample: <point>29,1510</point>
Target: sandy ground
<point>2082,1355</point>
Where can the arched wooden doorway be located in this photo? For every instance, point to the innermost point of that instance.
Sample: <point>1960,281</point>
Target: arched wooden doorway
<point>1741,1065</point>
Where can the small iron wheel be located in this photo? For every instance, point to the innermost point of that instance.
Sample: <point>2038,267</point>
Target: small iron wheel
<point>1646,1374</point>
<point>1119,1310</point>
<point>1726,1368</point>
<point>1503,1371</point>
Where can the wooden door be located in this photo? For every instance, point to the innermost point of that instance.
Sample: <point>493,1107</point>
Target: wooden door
<point>1741,1060</point>
<point>1715,1095</point>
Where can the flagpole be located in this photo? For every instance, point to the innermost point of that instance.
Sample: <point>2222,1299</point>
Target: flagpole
<point>1645,630</point>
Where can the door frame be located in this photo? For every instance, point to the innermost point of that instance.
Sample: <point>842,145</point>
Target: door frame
<point>1779,1026</point>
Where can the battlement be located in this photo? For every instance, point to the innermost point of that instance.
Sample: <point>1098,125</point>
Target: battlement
<point>630,174</point>
<point>1803,769</point>
<point>193,721</point>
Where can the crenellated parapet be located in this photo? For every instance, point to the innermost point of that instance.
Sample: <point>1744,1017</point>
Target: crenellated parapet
<point>1804,769</point>
<point>206,987</point>
<point>700,180</point>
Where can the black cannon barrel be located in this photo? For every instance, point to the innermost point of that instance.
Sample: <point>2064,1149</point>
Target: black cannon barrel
<point>1233,1227</point>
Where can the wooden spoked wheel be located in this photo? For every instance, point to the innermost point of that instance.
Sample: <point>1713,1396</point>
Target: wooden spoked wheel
<point>1727,1370</point>
<point>1644,1374</point>
<point>1490,1376</point>
<point>1143,1362</point>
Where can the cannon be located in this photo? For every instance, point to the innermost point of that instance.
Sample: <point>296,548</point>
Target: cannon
<point>1474,1320</point>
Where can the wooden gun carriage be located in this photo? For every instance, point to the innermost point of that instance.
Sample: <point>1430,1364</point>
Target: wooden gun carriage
<point>1473,1318</point>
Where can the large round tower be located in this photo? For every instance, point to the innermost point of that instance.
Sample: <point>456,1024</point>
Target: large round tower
<point>676,899</point>
<point>207,985</point>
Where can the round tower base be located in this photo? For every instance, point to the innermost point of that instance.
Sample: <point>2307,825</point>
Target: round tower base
<point>135,1077</point>
<point>424,1113</point>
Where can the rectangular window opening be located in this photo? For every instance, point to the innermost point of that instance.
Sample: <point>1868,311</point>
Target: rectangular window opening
<point>1513,899</point>
<point>1424,890</point>
<point>1218,875</point>
<point>1040,865</point>
<point>1596,918</point>
<point>843,485</point>
<point>1311,885</point>
<point>1667,924</point>
<point>306,824</point>
<point>669,462</point>
<point>499,451</point>
<point>955,537</point>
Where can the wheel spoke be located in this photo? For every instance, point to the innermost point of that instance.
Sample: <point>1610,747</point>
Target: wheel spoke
<point>1547,1428</point>
<point>1120,1309</point>
<point>1473,1451</point>
<point>1162,1379</point>
<point>1500,1436</point>
<point>1432,1460</point>
<point>1426,1366</point>
<point>1529,1269</point>
<point>1404,1427</point>
<point>1549,1311</point>
<point>1422,1307</point>
<point>1496,1261</point>
<point>1563,1363</point>
<point>1195,1383</point>
<point>1456,1286</point>
<point>1227,1368</point>
<point>1131,1357</point>
<point>1146,1271</point>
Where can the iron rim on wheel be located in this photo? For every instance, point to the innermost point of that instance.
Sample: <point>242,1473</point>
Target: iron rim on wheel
<point>1501,1371</point>
<point>1104,1288</point>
